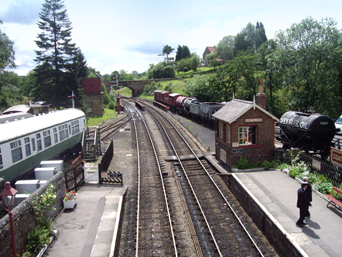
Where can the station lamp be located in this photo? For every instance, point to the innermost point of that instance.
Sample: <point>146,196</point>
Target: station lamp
<point>7,198</point>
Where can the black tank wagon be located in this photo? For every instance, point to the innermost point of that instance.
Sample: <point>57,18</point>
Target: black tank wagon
<point>307,131</point>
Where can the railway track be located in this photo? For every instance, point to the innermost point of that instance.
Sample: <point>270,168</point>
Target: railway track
<point>182,207</point>
<point>217,224</point>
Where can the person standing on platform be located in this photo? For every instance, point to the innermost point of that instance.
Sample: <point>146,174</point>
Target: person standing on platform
<point>309,192</point>
<point>302,203</point>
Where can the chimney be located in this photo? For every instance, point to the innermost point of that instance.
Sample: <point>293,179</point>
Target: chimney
<point>261,97</point>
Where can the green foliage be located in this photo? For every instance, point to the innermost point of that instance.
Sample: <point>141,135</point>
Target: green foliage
<point>60,64</point>
<point>161,70</point>
<point>169,87</point>
<point>111,105</point>
<point>296,172</point>
<point>200,88</point>
<point>243,164</point>
<point>43,203</point>
<point>106,96</point>
<point>37,238</point>
<point>269,165</point>
<point>283,166</point>
<point>325,187</point>
<point>150,88</point>
<point>294,156</point>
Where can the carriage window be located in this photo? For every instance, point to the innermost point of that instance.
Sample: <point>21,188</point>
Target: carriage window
<point>16,151</point>
<point>55,135</point>
<point>1,165</point>
<point>66,131</point>
<point>27,146</point>
<point>39,142</point>
<point>33,144</point>
<point>61,132</point>
<point>247,135</point>
<point>227,133</point>
<point>75,127</point>
<point>220,129</point>
<point>47,138</point>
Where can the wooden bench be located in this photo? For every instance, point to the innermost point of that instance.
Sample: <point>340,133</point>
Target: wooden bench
<point>333,200</point>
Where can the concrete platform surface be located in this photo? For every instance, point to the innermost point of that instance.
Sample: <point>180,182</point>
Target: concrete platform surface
<point>90,228</point>
<point>277,192</point>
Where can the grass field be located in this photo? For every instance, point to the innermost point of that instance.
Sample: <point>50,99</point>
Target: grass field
<point>97,119</point>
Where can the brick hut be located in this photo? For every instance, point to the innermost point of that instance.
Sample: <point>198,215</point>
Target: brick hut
<point>244,129</point>
<point>93,95</point>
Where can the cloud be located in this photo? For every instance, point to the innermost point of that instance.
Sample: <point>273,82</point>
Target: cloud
<point>22,12</point>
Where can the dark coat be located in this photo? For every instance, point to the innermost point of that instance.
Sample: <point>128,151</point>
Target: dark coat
<point>309,192</point>
<point>303,198</point>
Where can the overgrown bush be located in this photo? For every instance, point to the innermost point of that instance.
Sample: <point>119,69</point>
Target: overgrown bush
<point>269,165</point>
<point>243,164</point>
<point>38,238</point>
<point>111,105</point>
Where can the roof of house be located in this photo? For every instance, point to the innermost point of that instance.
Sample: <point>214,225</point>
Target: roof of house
<point>236,108</point>
<point>211,48</point>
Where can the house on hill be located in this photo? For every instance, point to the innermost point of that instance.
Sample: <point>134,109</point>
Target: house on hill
<point>208,50</point>
<point>244,129</point>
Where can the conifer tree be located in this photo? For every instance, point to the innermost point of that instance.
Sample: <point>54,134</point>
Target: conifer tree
<point>179,53</point>
<point>59,62</point>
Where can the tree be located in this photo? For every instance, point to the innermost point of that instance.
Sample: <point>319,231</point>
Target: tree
<point>60,62</point>
<point>308,54</point>
<point>200,88</point>
<point>179,53</point>
<point>225,48</point>
<point>272,76</point>
<point>6,60</point>
<point>212,58</point>
<point>166,51</point>
<point>195,59</point>
<point>185,52</point>
<point>260,34</point>
<point>250,36</point>
<point>161,70</point>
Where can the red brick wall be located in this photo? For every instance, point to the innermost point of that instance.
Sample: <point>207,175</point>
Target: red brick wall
<point>91,85</point>
<point>259,152</point>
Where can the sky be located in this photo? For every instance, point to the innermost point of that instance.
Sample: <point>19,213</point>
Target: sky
<point>130,34</point>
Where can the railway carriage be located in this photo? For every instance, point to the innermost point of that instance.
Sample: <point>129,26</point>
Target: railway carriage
<point>25,143</point>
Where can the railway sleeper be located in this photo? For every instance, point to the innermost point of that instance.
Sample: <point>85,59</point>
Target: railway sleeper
<point>184,157</point>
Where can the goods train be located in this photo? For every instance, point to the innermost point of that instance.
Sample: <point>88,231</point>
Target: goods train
<point>26,142</point>
<point>187,105</point>
<point>307,131</point>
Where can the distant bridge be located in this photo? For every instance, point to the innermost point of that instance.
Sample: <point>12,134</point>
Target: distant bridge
<point>137,86</point>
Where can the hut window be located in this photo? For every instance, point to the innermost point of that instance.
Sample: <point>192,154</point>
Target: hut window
<point>227,133</point>
<point>220,129</point>
<point>247,135</point>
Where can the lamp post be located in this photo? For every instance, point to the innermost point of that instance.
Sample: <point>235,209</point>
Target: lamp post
<point>7,198</point>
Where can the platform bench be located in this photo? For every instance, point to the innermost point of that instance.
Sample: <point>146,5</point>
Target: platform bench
<point>333,200</point>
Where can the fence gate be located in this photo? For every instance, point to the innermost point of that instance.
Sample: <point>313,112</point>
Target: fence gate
<point>74,175</point>
<point>106,176</point>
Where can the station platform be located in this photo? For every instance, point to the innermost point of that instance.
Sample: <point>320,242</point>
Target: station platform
<point>277,192</point>
<point>90,229</point>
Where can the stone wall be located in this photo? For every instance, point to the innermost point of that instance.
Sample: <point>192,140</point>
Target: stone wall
<point>275,233</point>
<point>94,101</point>
<point>24,220</point>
